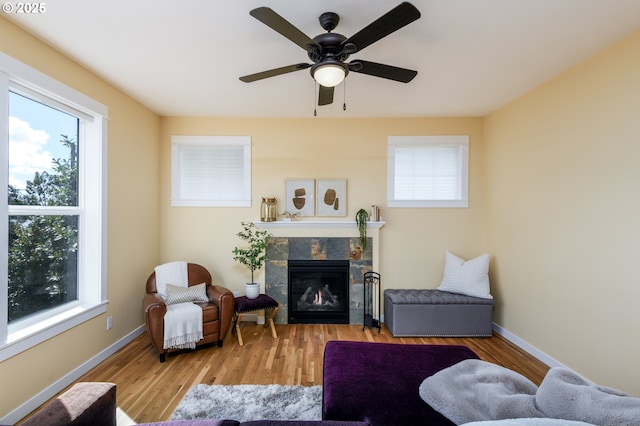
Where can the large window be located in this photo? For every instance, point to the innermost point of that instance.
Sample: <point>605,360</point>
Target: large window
<point>52,263</point>
<point>428,171</point>
<point>211,171</point>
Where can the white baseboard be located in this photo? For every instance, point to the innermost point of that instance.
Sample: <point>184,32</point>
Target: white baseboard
<point>526,346</point>
<point>27,407</point>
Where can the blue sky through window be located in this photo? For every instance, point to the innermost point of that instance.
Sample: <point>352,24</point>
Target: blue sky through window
<point>34,138</point>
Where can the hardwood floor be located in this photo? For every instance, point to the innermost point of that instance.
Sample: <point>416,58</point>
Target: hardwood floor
<point>148,390</point>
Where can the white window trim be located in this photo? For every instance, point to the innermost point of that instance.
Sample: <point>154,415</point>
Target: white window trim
<point>462,141</point>
<point>243,198</point>
<point>92,205</point>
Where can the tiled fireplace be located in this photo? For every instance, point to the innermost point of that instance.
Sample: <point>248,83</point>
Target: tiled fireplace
<point>281,250</point>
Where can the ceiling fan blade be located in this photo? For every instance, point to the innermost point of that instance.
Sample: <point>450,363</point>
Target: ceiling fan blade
<point>325,96</point>
<point>276,22</point>
<point>403,14</point>
<point>274,72</point>
<point>375,69</point>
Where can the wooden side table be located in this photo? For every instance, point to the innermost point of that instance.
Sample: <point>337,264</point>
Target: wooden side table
<point>244,305</point>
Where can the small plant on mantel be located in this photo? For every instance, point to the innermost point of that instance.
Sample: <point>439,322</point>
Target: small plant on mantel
<point>362,217</point>
<point>255,255</point>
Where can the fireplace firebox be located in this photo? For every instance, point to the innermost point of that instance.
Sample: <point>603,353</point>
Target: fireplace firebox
<point>318,291</point>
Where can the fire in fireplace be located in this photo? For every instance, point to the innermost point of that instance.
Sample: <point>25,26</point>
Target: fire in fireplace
<point>318,291</point>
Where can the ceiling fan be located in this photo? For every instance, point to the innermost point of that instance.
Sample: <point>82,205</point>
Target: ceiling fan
<point>329,51</point>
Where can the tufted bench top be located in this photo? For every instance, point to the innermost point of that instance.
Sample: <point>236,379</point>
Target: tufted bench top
<point>432,297</point>
<point>244,304</point>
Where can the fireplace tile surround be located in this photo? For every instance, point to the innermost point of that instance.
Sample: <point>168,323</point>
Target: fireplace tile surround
<point>282,249</point>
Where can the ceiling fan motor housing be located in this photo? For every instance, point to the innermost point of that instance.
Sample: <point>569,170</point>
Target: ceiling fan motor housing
<point>330,45</point>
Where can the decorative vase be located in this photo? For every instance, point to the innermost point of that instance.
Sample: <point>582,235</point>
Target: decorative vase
<point>268,209</point>
<point>252,290</point>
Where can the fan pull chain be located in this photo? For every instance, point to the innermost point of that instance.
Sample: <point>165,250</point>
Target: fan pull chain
<point>315,95</point>
<point>344,96</point>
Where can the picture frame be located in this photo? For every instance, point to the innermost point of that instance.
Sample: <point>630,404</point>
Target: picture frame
<point>299,195</point>
<point>331,197</point>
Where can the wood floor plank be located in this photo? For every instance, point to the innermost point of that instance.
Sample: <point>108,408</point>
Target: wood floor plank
<point>148,390</point>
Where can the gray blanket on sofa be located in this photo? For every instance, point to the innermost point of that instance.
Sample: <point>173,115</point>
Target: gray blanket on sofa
<point>564,394</point>
<point>474,390</point>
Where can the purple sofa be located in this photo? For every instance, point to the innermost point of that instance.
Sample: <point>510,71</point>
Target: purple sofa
<point>85,403</point>
<point>378,383</point>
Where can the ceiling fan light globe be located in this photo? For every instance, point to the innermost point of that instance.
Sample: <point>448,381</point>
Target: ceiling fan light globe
<point>329,75</point>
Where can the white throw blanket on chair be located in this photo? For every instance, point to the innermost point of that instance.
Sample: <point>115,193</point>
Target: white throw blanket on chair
<point>183,321</point>
<point>182,325</point>
<point>175,273</point>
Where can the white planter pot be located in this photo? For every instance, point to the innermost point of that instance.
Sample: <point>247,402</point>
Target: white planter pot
<point>252,290</point>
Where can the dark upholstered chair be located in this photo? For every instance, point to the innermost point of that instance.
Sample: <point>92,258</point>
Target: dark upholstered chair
<point>216,314</point>
<point>85,403</point>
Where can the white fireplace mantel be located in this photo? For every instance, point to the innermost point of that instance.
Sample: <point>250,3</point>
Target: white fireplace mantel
<point>299,224</point>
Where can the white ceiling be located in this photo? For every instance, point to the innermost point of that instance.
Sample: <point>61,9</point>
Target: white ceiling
<point>472,56</point>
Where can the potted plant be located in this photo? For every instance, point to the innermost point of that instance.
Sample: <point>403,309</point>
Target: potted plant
<point>254,256</point>
<point>362,217</point>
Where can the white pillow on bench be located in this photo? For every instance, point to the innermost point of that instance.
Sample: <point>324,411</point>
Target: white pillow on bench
<point>469,277</point>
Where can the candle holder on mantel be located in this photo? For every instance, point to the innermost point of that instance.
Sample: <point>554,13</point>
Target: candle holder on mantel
<point>268,209</point>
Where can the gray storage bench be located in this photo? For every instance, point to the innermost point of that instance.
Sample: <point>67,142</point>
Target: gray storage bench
<point>436,313</point>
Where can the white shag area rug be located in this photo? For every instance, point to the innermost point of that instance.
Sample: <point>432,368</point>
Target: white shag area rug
<point>251,402</point>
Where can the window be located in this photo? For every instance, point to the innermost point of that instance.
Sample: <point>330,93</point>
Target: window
<point>428,171</point>
<point>53,203</point>
<point>211,171</point>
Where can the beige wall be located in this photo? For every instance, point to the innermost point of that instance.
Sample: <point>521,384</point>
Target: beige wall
<point>562,216</point>
<point>413,241</point>
<point>133,224</point>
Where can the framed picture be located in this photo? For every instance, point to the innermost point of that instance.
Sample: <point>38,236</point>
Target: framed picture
<point>300,196</point>
<point>331,197</point>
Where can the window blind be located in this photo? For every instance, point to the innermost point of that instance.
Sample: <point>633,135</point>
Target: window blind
<point>427,173</point>
<point>211,172</point>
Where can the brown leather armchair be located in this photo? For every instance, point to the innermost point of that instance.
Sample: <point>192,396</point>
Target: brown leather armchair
<point>216,314</point>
